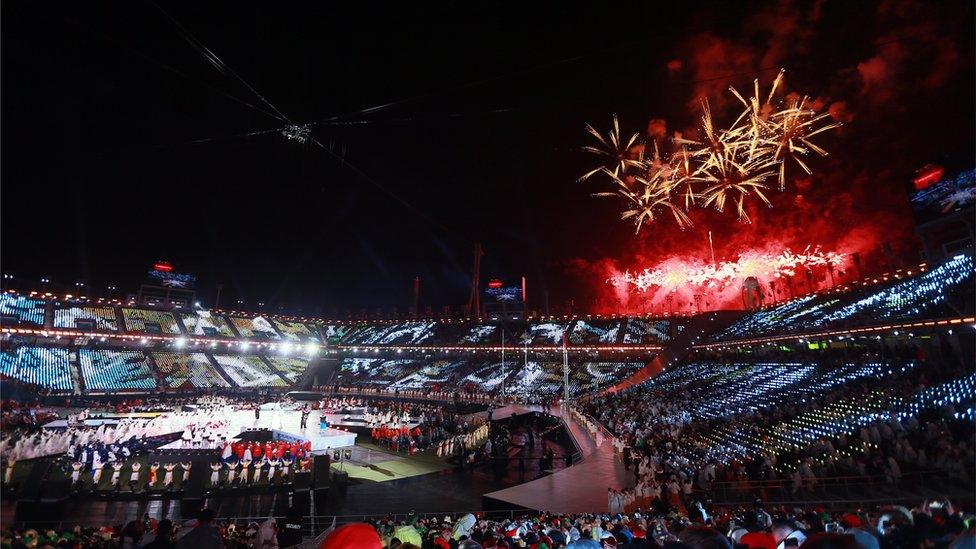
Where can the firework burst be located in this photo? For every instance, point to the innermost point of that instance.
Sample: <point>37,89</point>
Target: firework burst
<point>728,165</point>
<point>615,150</point>
<point>646,199</point>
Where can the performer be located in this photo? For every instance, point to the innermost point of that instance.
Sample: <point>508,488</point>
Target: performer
<point>215,475</point>
<point>285,463</point>
<point>9,473</point>
<point>75,473</point>
<point>116,473</point>
<point>257,413</point>
<point>305,413</point>
<point>96,473</point>
<point>134,477</point>
<point>272,468</point>
<point>231,471</point>
<point>168,478</point>
<point>186,470</point>
<point>152,474</point>
<point>245,472</point>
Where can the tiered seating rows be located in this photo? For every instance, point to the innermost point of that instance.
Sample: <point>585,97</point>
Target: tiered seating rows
<point>922,296</point>
<point>46,367</point>
<point>25,309</point>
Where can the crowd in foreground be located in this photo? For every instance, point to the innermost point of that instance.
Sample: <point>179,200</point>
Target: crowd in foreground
<point>933,523</point>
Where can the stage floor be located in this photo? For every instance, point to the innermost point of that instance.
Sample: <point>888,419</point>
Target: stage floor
<point>286,425</point>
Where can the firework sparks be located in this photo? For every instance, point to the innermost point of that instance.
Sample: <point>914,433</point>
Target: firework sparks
<point>650,197</point>
<point>763,266</point>
<point>615,150</point>
<point>795,126</point>
<point>728,165</point>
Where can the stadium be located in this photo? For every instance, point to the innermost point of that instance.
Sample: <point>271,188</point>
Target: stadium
<point>764,358</point>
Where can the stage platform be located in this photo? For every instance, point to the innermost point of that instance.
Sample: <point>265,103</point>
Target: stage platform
<point>354,418</point>
<point>581,488</point>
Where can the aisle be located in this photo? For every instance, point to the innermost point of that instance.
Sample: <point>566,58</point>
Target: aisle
<point>581,488</point>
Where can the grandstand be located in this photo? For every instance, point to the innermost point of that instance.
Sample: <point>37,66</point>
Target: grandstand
<point>249,371</point>
<point>85,317</point>
<point>20,310</point>
<point>590,332</point>
<point>369,352</point>
<point>149,321</point>
<point>943,291</point>
<point>543,333</point>
<point>46,367</point>
<point>186,371</point>
<point>257,327</point>
<point>407,333</point>
<point>647,331</point>
<point>205,323</point>
<point>295,331</point>
<point>109,370</point>
<point>290,367</point>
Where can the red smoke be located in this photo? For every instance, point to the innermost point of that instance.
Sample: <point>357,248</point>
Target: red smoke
<point>857,200</point>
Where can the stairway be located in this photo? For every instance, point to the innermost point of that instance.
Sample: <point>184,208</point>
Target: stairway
<point>220,369</point>
<point>323,368</point>
<point>78,380</point>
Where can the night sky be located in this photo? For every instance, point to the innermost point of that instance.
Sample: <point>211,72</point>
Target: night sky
<point>122,144</point>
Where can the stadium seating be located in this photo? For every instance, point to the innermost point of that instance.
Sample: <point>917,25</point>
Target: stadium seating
<point>543,333</point>
<point>482,375</point>
<point>923,296</point>
<point>257,327</point>
<point>405,333</point>
<point>249,371</point>
<point>290,367</point>
<point>481,333</point>
<point>71,316</point>
<point>19,310</point>
<point>205,323</point>
<point>750,408</point>
<point>105,370</point>
<point>333,333</point>
<point>645,332</point>
<point>47,367</point>
<point>296,331</point>
<point>149,321</point>
<point>587,332</point>
<point>187,371</point>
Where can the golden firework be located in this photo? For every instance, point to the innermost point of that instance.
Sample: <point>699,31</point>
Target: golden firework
<point>615,150</point>
<point>727,164</point>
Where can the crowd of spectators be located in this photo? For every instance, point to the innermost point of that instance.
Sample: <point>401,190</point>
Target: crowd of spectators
<point>932,523</point>
<point>833,413</point>
<point>945,291</point>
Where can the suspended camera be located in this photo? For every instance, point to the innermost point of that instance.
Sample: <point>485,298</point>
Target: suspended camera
<point>302,134</point>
